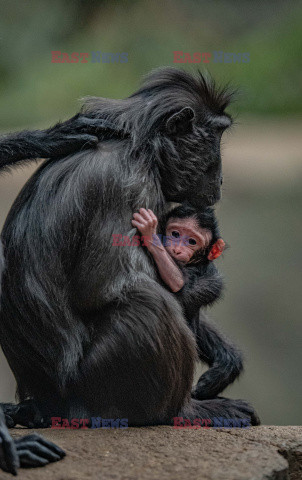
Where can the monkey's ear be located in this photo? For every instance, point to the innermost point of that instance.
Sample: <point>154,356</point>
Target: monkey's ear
<point>180,122</point>
<point>216,249</point>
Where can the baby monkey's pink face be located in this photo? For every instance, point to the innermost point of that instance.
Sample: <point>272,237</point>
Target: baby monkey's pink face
<point>185,237</point>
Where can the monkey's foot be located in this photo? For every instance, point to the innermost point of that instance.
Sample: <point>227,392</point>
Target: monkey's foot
<point>207,390</point>
<point>35,451</point>
<point>220,407</point>
<point>26,414</point>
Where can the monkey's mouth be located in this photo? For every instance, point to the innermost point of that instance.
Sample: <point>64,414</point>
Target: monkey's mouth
<point>206,199</point>
<point>200,201</point>
<point>196,199</point>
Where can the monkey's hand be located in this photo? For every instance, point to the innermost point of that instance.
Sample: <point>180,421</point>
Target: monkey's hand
<point>9,458</point>
<point>29,451</point>
<point>65,138</point>
<point>146,222</point>
<point>79,132</point>
<point>35,451</point>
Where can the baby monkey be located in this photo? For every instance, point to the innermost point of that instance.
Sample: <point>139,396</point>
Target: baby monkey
<point>185,265</point>
<point>191,238</point>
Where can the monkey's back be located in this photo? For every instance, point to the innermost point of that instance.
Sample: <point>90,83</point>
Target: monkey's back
<point>60,258</point>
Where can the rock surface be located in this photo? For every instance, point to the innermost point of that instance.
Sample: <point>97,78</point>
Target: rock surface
<point>154,453</point>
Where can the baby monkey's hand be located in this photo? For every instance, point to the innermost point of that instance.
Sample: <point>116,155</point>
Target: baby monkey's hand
<point>146,222</point>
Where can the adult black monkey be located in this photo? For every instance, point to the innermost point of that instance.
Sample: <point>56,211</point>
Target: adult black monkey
<point>86,328</point>
<point>77,133</point>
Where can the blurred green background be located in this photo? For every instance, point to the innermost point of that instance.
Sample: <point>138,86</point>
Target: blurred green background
<point>260,213</point>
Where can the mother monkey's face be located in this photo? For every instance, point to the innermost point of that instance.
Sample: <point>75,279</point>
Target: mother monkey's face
<point>196,170</point>
<point>183,116</point>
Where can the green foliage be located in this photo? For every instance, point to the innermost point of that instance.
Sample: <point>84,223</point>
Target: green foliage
<point>34,91</point>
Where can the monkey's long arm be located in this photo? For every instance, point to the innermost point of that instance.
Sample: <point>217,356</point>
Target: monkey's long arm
<point>199,290</point>
<point>79,132</point>
<point>146,222</point>
<point>167,268</point>
<point>222,356</point>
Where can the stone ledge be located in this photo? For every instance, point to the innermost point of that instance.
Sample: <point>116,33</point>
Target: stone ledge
<point>154,453</point>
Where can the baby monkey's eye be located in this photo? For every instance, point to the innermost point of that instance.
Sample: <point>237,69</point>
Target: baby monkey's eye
<point>175,234</point>
<point>192,241</point>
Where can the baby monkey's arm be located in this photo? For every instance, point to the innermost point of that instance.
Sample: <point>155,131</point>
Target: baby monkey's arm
<point>146,222</point>
<point>201,288</point>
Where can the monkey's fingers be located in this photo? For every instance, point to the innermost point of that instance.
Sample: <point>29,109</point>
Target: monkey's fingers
<point>31,460</point>
<point>9,459</point>
<point>35,451</point>
<point>35,448</point>
<point>58,145</point>
<point>138,225</point>
<point>80,124</point>
<point>146,216</point>
<point>152,215</point>
<point>37,439</point>
<point>139,218</point>
<point>82,141</point>
<point>96,125</point>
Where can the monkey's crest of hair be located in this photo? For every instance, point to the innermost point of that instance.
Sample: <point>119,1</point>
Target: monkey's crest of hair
<point>164,91</point>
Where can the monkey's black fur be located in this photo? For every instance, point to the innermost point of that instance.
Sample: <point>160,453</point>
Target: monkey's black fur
<point>29,451</point>
<point>203,286</point>
<point>87,329</point>
<point>79,132</point>
<point>15,149</point>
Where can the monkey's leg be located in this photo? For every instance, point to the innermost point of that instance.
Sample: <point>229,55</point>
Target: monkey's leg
<point>26,413</point>
<point>226,408</point>
<point>223,358</point>
<point>141,363</point>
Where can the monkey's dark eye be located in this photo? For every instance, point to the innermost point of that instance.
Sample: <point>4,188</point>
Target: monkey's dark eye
<point>175,234</point>
<point>192,241</point>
